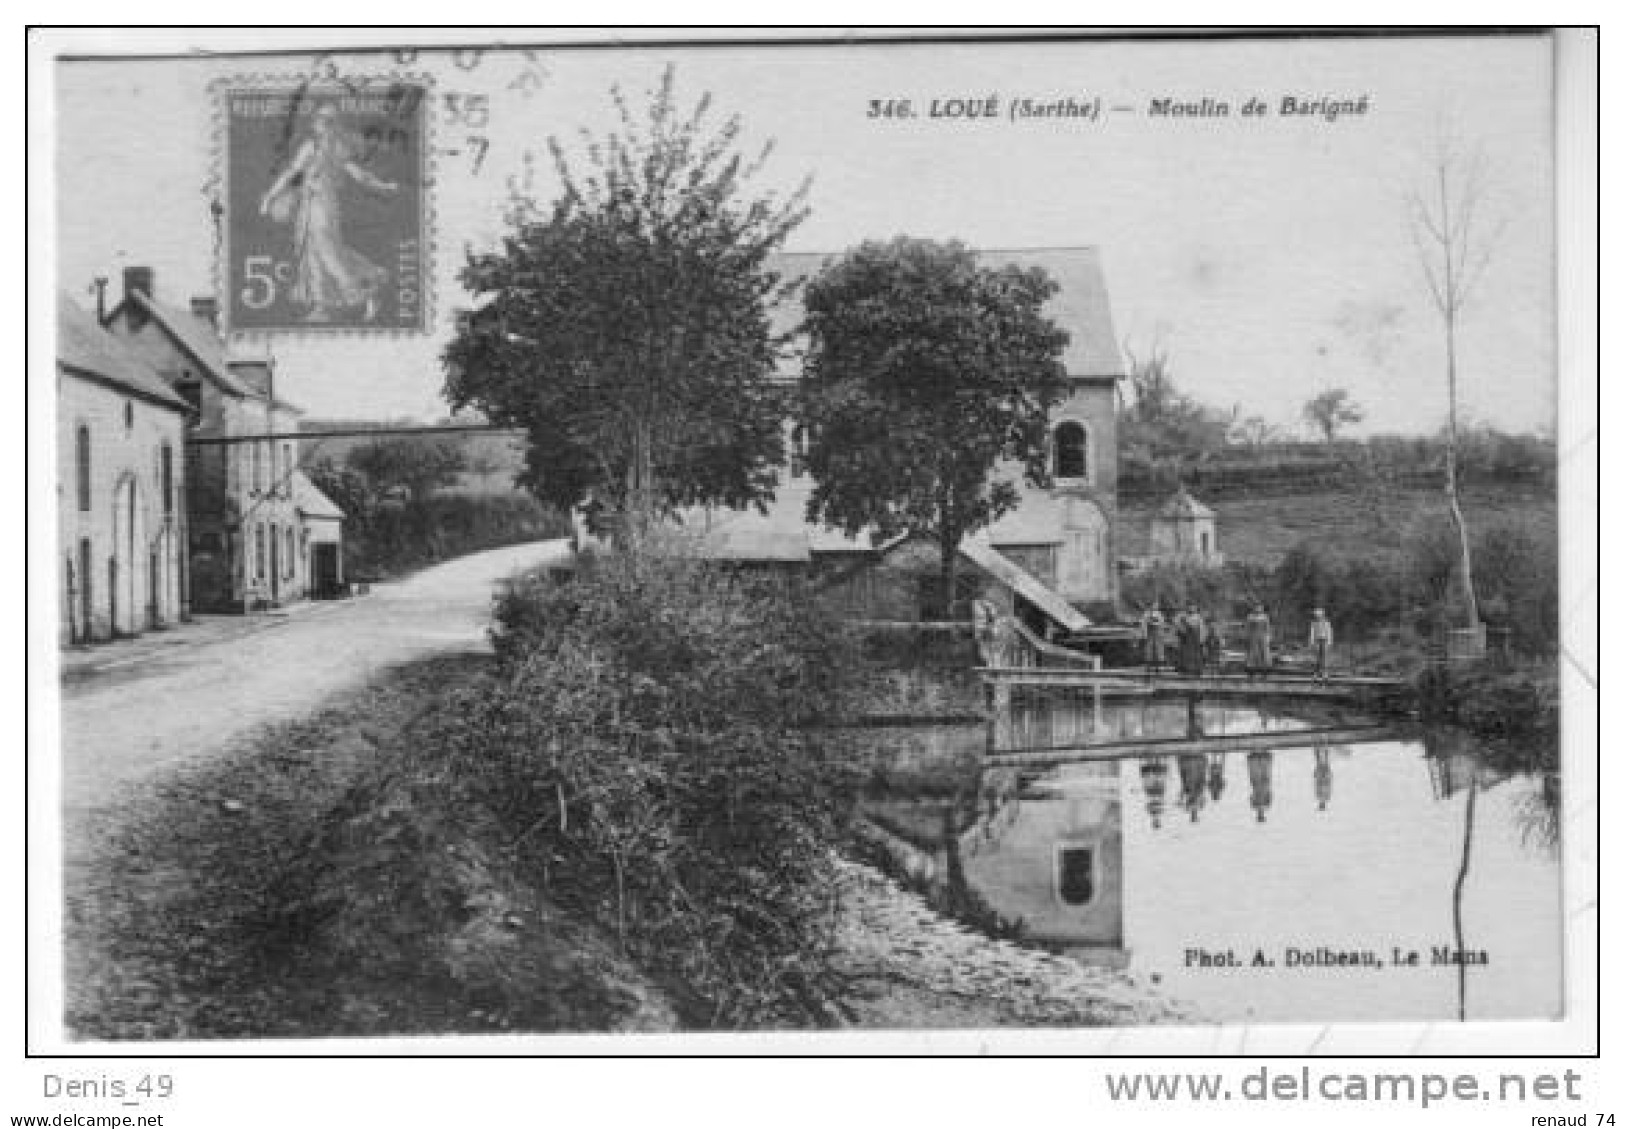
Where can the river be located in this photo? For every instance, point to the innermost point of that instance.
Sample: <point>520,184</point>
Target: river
<point>1287,880</point>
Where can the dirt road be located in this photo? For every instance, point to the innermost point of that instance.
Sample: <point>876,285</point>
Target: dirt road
<point>152,716</point>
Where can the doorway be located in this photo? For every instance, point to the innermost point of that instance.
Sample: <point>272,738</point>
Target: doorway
<point>276,563</point>
<point>85,605</point>
<point>324,567</point>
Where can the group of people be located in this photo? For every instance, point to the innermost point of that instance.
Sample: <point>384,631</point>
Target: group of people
<point>1190,641</point>
<point>1193,642</point>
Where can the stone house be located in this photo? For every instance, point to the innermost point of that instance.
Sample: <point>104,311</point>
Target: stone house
<point>1184,531</point>
<point>1061,537</point>
<point>121,519</point>
<point>248,542</point>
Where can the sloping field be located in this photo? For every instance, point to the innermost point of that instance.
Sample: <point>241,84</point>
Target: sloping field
<point>1345,522</point>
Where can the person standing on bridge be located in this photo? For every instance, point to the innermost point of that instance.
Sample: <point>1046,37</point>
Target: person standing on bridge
<point>1152,625</point>
<point>1213,645</point>
<point>1320,641</point>
<point>1259,660</point>
<point>1192,640</point>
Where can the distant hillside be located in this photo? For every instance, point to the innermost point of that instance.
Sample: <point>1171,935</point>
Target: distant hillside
<point>494,459</point>
<point>1345,522</point>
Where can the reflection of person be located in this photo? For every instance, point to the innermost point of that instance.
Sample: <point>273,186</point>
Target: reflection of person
<point>1320,641</point>
<point>1260,765</point>
<point>1258,641</point>
<point>1323,777</point>
<point>329,274</point>
<point>1215,776</point>
<point>1154,781</point>
<point>1192,782</point>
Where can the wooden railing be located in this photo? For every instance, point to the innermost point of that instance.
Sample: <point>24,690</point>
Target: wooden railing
<point>1010,644</point>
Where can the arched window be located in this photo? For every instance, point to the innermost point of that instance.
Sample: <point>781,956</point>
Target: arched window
<point>82,467</point>
<point>1071,451</point>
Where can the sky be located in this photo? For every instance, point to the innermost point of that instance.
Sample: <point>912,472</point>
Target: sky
<point>1270,257</point>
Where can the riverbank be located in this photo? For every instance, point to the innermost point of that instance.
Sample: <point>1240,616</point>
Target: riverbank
<point>315,881</point>
<point>1514,709</point>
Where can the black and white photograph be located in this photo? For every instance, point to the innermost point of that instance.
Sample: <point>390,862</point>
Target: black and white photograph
<point>897,542</point>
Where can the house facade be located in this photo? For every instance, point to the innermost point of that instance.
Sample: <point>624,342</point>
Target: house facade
<point>248,543</point>
<point>121,517</point>
<point>1062,536</point>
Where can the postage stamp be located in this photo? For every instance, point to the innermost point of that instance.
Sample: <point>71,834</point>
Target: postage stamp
<point>1033,534</point>
<point>326,211</point>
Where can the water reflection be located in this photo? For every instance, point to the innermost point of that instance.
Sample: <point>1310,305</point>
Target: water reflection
<point>1350,880</point>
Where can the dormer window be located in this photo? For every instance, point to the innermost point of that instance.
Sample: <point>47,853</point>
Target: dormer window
<point>1071,451</point>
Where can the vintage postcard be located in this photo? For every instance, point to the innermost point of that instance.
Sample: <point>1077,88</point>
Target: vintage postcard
<point>1049,540</point>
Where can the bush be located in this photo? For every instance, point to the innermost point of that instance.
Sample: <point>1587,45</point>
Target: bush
<point>644,740</point>
<point>426,530</point>
<point>1173,586</point>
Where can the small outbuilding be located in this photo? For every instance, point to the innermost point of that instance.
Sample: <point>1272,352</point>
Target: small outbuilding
<point>321,536</point>
<point>1183,530</point>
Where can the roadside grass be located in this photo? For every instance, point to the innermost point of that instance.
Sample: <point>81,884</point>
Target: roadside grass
<point>306,884</point>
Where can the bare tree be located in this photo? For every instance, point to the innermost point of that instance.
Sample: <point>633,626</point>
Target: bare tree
<point>1454,243</point>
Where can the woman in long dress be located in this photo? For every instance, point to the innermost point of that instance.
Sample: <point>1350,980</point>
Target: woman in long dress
<point>329,275</point>
<point>1153,627</point>
<point>1192,637</point>
<point>1259,659</point>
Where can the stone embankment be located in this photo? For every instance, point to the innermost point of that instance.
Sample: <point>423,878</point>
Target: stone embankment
<point>909,966</point>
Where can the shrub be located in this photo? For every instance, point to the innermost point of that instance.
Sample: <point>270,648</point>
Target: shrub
<point>1515,573</point>
<point>1175,585</point>
<point>645,741</point>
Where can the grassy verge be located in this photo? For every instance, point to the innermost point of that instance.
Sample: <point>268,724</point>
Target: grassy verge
<point>310,883</point>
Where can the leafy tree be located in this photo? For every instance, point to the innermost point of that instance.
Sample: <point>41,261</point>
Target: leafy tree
<point>1162,428</point>
<point>1331,410</point>
<point>350,489</point>
<point>1251,431</point>
<point>625,325</point>
<point>407,467</point>
<point>924,370</point>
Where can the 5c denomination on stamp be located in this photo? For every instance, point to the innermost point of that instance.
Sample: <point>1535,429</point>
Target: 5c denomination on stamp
<point>327,216</point>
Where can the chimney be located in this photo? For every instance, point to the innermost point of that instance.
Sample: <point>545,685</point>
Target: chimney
<point>207,309</point>
<point>137,278</point>
<point>100,285</point>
